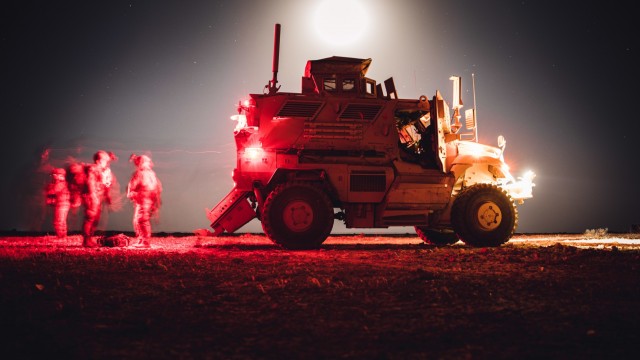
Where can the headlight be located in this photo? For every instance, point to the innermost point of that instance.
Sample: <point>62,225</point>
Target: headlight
<point>522,188</point>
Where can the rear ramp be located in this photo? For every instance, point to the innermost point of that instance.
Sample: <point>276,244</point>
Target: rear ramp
<point>231,213</point>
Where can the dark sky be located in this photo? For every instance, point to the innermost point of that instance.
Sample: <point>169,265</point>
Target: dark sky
<point>163,77</point>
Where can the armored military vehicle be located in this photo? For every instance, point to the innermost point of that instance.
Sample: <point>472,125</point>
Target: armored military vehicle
<point>348,148</point>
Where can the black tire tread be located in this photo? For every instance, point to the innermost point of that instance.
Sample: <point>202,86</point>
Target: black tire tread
<point>461,224</point>
<point>310,241</point>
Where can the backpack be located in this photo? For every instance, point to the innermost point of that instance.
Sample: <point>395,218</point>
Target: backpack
<point>119,240</point>
<point>77,181</point>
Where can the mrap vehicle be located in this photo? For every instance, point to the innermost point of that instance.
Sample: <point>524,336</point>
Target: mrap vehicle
<point>345,148</point>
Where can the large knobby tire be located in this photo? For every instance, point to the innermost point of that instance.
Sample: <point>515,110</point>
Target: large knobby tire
<point>484,215</point>
<point>297,216</point>
<point>436,237</point>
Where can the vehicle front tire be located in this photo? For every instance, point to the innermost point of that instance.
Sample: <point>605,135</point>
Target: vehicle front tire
<point>484,215</point>
<point>297,216</point>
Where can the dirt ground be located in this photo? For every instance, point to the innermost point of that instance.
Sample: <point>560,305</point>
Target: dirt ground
<point>359,297</point>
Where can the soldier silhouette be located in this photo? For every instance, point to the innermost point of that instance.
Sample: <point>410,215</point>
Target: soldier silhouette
<point>97,191</point>
<point>144,190</point>
<point>57,196</point>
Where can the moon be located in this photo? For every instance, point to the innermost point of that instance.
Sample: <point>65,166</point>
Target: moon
<point>340,22</point>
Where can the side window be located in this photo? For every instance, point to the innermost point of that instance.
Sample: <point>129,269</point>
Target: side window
<point>330,84</point>
<point>348,85</point>
<point>371,87</point>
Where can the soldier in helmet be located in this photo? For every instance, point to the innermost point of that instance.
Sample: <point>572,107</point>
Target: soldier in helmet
<point>144,191</point>
<point>97,191</point>
<point>57,195</point>
<point>76,178</point>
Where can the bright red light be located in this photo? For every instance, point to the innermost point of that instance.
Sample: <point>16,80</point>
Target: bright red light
<point>253,153</point>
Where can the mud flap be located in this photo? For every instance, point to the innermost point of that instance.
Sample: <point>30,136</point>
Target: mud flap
<point>233,212</point>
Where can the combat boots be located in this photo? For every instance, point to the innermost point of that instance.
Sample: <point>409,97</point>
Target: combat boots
<point>89,242</point>
<point>141,243</point>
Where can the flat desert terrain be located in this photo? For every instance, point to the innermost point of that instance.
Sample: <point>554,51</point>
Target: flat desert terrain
<point>552,296</point>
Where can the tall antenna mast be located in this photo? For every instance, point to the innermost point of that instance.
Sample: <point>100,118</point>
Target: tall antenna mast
<point>475,109</point>
<point>271,86</point>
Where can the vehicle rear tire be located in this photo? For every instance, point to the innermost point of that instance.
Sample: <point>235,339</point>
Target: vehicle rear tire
<point>436,237</point>
<point>297,216</point>
<point>484,215</point>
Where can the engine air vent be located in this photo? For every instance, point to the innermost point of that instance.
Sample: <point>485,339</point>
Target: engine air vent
<point>368,182</point>
<point>301,109</point>
<point>361,112</point>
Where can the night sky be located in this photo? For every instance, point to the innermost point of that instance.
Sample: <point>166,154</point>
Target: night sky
<point>163,78</point>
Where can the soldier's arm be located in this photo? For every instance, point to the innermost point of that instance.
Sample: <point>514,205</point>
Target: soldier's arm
<point>91,185</point>
<point>131,187</point>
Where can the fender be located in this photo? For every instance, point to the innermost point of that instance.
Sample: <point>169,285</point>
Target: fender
<point>465,161</point>
<point>486,169</point>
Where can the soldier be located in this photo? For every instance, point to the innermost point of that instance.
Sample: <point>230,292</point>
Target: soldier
<point>76,178</point>
<point>57,195</point>
<point>97,191</point>
<point>144,191</point>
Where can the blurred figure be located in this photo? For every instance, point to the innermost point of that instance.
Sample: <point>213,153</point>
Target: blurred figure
<point>31,205</point>
<point>144,190</point>
<point>57,195</point>
<point>77,179</point>
<point>97,191</point>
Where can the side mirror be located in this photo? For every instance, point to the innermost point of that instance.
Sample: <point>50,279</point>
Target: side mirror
<point>502,142</point>
<point>457,92</point>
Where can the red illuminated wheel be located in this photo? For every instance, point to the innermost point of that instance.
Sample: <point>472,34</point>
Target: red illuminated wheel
<point>436,237</point>
<point>297,216</point>
<point>484,215</point>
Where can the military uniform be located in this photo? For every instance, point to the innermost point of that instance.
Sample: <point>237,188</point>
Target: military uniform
<point>144,191</point>
<point>77,179</point>
<point>57,195</point>
<point>97,190</point>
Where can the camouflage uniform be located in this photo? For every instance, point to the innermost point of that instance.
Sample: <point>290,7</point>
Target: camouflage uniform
<point>97,191</point>
<point>76,178</point>
<point>57,195</point>
<point>144,190</point>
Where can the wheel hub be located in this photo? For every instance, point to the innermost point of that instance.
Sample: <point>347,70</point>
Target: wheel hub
<point>489,216</point>
<point>298,216</point>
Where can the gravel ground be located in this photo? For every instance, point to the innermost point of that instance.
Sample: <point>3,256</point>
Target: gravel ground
<point>562,296</point>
